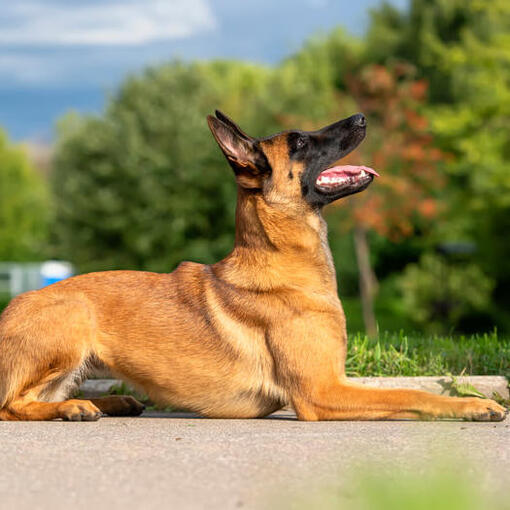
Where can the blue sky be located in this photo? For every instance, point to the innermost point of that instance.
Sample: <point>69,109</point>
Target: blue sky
<point>57,55</point>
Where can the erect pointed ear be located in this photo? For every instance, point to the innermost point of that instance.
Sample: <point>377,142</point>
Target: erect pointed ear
<point>229,122</point>
<point>242,152</point>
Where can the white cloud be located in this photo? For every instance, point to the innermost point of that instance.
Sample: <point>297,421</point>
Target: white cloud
<point>24,69</point>
<point>112,22</point>
<point>77,66</point>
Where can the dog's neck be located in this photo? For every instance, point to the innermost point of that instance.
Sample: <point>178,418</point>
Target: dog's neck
<point>287,246</point>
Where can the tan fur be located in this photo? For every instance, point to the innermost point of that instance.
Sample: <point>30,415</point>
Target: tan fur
<point>241,338</point>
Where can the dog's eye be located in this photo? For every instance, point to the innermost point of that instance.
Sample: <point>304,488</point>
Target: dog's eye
<point>301,142</point>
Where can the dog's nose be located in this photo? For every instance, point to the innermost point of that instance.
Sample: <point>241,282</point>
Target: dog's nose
<point>360,120</point>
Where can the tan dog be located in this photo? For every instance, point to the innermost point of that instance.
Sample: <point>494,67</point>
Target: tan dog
<point>238,339</point>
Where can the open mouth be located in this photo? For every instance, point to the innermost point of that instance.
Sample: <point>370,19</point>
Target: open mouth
<point>344,177</point>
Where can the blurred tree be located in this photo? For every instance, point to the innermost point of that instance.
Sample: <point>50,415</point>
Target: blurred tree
<point>405,197</point>
<point>307,83</point>
<point>144,186</point>
<point>453,43</point>
<point>438,293</point>
<point>24,206</point>
<point>463,50</point>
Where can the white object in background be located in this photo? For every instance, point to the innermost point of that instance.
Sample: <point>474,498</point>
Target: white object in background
<point>53,271</point>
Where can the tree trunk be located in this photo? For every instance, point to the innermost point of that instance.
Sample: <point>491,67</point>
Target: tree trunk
<point>367,280</point>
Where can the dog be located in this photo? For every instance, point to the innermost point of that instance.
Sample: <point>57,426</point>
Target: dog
<point>259,330</point>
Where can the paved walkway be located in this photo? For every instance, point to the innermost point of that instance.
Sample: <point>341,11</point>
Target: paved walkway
<point>177,461</point>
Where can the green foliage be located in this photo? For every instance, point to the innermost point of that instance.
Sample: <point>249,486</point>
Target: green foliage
<point>389,311</point>
<point>501,400</point>
<point>24,205</point>
<point>368,487</point>
<point>464,389</point>
<point>144,186</point>
<point>463,50</point>
<point>437,294</point>
<point>474,125</point>
<point>4,301</point>
<point>417,355</point>
<point>375,358</point>
<point>308,81</point>
<point>452,42</point>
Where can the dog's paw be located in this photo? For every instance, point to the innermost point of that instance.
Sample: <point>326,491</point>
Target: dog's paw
<point>479,409</point>
<point>127,405</point>
<point>79,410</point>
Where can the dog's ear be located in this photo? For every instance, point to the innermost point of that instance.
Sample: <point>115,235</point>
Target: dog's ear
<point>241,151</point>
<point>227,120</point>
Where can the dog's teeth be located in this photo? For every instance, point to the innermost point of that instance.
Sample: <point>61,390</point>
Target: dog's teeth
<point>334,180</point>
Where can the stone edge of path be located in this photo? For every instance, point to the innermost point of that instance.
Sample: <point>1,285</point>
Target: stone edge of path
<point>486,384</point>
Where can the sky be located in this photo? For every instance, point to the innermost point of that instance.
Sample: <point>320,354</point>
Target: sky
<point>58,55</point>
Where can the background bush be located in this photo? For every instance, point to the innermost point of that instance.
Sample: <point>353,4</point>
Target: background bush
<point>24,206</point>
<point>437,292</point>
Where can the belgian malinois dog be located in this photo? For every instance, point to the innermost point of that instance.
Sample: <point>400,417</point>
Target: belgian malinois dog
<point>261,329</point>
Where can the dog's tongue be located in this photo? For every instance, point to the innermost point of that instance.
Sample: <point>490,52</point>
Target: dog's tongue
<point>347,170</point>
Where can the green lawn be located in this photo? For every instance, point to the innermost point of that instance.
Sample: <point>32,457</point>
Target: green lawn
<point>397,354</point>
<point>437,485</point>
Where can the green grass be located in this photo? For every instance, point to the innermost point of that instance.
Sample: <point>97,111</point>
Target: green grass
<point>436,486</point>
<point>403,355</point>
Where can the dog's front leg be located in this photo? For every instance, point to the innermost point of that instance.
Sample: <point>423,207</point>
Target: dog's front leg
<point>310,364</point>
<point>346,401</point>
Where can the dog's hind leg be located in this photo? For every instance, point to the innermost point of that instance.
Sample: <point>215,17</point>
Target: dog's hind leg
<point>32,405</point>
<point>119,405</point>
<point>69,410</point>
<point>45,346</point>
<point>42,400</point>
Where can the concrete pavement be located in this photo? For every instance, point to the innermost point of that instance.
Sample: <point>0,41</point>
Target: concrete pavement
<point>179,461</point>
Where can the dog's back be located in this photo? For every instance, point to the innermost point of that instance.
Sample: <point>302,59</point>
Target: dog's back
<point>178,336</point>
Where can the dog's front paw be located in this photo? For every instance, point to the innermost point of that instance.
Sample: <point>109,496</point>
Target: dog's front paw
<point>79,410</point>
<point>479,409</point>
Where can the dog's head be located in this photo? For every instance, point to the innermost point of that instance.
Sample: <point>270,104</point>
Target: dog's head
<point>295,167</point>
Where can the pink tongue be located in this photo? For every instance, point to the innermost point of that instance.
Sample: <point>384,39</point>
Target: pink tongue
<point>343,170</point>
